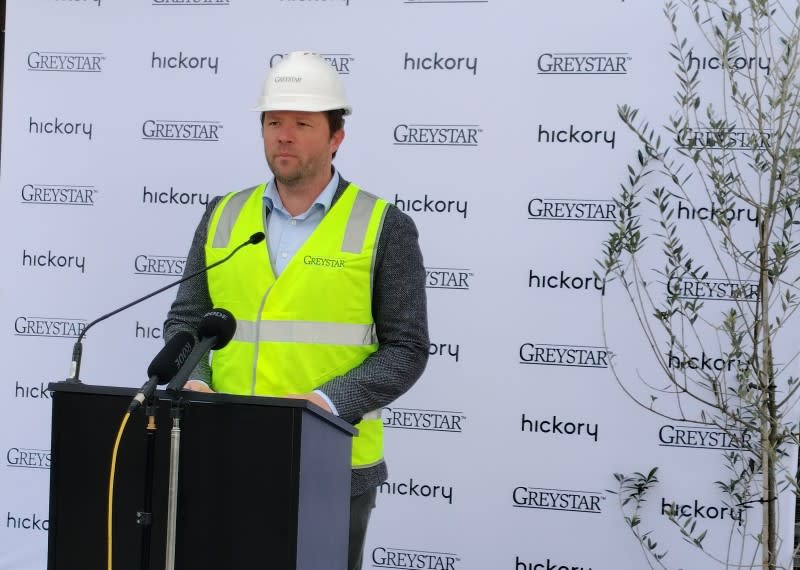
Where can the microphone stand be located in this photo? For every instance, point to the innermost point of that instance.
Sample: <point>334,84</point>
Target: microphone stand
<point>144,518</point>
<point>176,412</point>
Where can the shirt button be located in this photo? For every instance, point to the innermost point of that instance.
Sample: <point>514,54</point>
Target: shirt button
<point>284,255</point>
<point>293,222</point>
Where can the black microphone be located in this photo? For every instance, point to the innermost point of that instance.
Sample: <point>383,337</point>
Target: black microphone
<point>215,331</point>
<point>164,366</point>
<point>77,348</point>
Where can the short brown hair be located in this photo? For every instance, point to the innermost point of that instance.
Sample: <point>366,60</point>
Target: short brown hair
<point>335,119</point>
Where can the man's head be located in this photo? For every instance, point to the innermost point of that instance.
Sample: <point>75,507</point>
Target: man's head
<point>302,106</point>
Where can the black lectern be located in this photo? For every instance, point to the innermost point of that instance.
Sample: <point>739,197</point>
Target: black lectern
<point>264,482</point>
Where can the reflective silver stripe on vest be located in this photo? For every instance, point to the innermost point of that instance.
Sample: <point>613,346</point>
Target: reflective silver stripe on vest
<point>305,331</point>
<point>357,224</point>
<point>229,216</point>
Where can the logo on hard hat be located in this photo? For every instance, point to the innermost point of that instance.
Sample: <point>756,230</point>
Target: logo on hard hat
<point>287,79</point>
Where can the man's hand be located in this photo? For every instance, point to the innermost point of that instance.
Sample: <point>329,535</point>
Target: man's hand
<point>197,386</point>
<point>312,397</point>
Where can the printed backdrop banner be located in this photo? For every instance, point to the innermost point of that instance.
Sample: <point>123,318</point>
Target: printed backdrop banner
<point>122,119</point>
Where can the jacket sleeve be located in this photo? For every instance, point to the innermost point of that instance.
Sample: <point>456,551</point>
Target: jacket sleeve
<point>400,314</point>
<point>193,299</point>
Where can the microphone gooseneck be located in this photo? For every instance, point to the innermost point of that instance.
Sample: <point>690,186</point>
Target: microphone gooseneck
<point>77,348</point>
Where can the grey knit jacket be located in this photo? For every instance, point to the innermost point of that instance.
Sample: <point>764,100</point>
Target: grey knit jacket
<point>398,308</point>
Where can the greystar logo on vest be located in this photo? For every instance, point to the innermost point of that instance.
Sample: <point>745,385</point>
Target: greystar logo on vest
<point>686,211</point>
<point>583,63</point>
<point>703,437</point>
<point>407,559</point>
<point>424,420</point>
<point>184,61</point>
<point>173,198</point>
<point>429,205</point>
<point>563,355</point>
<point>547,565</point>
<point>714,63</point>
<point>26,522</point>
<point>436,135</point>
<point>572,209</point>
<point>697,510</point>
<point>52,260</point>
<point>59,127</point>
<point>326,262</point>
<point>198,131</point>
<point>447,278</point>
<point>35,392</point>
<point>191,2</point>
<point>416,489</point>
<point>437,62</point>
<point>58,194</point>
<point>444,349</point>
<point>71,62</point>
<point>553,425</point>
<point>575,135</point>
<point>558,500</point>
<point>714,289</point>
<point>23,458</point>
<point>48,327</point>
<point>340,61</point>
<point>145,264</point>
<point>564,280</point>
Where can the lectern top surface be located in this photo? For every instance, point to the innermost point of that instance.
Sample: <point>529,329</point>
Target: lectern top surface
<point>202,398</point>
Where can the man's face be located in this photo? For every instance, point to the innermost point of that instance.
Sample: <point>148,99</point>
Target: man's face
<point>298,145</point>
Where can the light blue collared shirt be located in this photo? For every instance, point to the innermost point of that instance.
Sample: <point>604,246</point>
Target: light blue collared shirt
<point>286,234</point>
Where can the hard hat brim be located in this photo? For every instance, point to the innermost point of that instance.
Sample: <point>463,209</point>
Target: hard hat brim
<point>294,105</point>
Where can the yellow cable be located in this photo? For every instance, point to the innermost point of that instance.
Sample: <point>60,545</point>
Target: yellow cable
<point>111,481</point>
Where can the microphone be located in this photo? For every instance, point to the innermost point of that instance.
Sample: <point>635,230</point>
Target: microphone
<point>215,331</point>
<point>164,366</point>
<point>77,348</point>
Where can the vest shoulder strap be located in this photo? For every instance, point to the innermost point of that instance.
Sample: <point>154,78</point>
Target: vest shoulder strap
<point>225,215</point>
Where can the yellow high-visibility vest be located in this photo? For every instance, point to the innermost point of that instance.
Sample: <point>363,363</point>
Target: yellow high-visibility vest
<point>313,322</point>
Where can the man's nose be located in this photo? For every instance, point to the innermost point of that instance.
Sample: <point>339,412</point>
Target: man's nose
<point>285,134</point>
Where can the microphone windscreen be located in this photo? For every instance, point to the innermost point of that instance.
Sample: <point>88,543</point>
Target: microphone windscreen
<point>169,360</point>
<point>217,323</point>
<point>257,237</point>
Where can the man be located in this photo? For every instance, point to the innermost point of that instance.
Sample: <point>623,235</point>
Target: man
<point>337,294</point>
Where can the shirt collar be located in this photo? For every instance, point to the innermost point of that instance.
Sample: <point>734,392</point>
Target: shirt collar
<point>272,200</point>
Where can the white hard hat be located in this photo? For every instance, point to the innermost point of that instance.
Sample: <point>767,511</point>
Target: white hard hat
<point>302,81</point>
